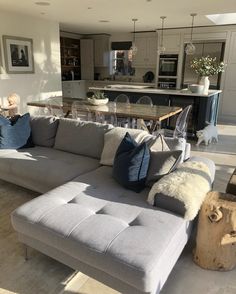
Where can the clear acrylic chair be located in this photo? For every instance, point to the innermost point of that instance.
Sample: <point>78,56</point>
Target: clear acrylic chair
<point>145,100</point>
<point>124,122</point>
<point>181,126</point>
<point>54,107</point>
<point>140,124</point>
<point>80,111</point>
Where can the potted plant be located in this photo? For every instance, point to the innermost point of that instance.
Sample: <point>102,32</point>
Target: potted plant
<point>98,98</point>
<point>206,67</point>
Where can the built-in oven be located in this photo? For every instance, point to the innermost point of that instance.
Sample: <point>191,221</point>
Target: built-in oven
<point>167,83</point>
<point>168,65</point>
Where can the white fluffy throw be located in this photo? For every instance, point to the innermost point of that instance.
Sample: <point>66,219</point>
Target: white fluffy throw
<point>189,183</point>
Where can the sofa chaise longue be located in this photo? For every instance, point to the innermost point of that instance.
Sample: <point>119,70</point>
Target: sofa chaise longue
<point>84,218</point>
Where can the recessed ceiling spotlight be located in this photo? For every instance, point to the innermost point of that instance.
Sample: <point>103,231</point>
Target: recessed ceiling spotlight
<point>104,20</point>
<point>42,3</point>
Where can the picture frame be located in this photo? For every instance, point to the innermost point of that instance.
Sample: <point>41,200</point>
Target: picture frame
<point>18,55</point>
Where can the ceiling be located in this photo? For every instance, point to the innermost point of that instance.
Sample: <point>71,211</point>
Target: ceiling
<point>84,16</point>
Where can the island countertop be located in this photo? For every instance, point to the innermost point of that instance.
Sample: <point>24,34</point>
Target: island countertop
<point>146,90</point>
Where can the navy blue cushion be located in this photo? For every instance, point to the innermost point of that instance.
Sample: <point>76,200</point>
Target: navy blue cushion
<point>131,164</point>
<point>15,133</point>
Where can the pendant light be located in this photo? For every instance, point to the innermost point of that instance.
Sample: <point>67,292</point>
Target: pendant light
<point>190,48</point>
<point>134,48</point>
<point>161,48</point>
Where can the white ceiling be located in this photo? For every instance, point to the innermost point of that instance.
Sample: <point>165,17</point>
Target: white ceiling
<point>74,15</point>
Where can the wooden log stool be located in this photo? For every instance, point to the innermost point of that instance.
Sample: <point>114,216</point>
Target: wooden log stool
<point>216,233</point>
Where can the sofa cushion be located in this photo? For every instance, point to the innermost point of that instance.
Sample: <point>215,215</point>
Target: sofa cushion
<point>15,132</point>
<point>41,169</point>
<point>44,129</point>
<point>131,164</point>
<point>162,163</point>
<point>98,222</point>
<point>114,137</point>
<point>179,144</point>
<point>79,137</point>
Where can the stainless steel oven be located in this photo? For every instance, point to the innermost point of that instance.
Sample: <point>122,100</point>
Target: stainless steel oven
<point>168,65</point>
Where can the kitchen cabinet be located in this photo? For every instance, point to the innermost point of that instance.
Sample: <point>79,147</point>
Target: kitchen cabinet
<point>146,55</point>
<point>101,51</point>
<point>87,59</point>
<point>74,89</point>
<point>171,42</point>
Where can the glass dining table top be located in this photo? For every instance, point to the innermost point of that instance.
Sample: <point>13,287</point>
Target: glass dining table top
<point>142,111</point>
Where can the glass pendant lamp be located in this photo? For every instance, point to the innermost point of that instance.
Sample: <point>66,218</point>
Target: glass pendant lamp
<point>134,48</point>
<point>161,48</point>
<point>190,48</point>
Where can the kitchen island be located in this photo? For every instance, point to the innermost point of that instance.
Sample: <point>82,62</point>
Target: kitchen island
<point>204,111</point>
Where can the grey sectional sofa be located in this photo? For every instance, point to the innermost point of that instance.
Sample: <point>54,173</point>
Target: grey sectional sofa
<point>84,218</point>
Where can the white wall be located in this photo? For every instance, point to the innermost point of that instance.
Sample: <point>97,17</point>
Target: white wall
<point>46,80</point>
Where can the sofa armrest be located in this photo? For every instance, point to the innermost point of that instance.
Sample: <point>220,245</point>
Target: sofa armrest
<point>175,205</point>
<point>209,163</point>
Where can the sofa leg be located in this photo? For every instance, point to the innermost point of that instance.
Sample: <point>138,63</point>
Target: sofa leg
<point>26,252</point>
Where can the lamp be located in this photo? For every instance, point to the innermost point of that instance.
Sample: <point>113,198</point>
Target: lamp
<point>134,48</point>
<point>190,48</point>
<point>161,48</point>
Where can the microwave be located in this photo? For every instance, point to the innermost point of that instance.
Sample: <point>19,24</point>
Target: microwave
<point>168,65</point>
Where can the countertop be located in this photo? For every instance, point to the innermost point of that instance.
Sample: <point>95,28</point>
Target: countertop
<point>109,82</point>
<point>183,92</point>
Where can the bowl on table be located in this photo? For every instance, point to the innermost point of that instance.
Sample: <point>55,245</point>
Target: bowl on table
<point>196,88</point>
<point>97,102</point>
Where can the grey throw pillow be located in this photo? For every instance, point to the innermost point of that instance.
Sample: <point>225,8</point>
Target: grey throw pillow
<point>162,163</point>
<point>44,129</point>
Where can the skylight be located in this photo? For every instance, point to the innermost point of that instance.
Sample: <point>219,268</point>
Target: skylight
<point>224,18</point>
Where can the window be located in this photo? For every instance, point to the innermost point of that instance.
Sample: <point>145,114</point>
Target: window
<point>122,62</point>
<point>122,58</point>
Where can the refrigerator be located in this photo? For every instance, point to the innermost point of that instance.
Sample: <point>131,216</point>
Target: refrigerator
<point>212,49</point>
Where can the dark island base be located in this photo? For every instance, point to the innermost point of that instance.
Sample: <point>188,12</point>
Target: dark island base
<point>204,109</point>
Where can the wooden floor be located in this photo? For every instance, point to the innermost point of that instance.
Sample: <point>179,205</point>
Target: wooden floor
<point>43,275</point>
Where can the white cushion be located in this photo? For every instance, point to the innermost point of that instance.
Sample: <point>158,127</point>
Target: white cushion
<point>113,138</point>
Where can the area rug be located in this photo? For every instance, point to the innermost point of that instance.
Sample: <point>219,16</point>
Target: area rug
<point>40,274</point>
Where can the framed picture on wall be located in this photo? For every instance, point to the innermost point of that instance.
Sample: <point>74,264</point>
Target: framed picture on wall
<point>18,53</point>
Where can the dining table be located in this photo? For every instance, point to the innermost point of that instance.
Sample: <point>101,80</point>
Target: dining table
<point>142,112</point>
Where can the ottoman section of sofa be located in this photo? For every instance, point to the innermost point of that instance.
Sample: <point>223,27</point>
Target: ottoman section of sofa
<point>136,245</point>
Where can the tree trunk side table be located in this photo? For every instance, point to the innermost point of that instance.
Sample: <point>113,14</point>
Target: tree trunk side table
<point>216,233</point>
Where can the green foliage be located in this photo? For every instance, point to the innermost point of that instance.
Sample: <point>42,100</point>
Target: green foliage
<point>207,66</point>
<point>99,95</point>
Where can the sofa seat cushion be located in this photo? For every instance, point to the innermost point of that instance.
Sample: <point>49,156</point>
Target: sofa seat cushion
<point>42,169</point>
<point>96,221</point>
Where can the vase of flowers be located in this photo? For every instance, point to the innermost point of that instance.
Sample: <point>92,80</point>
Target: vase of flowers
<point>206,67</point>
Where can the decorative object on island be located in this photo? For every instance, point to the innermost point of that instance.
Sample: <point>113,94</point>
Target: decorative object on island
<point>216,235</point>
<point>134,48</point>
<point>161,48</point>
<point>205,67</point>
<point>18,53</point>
<point>190,48</point>
<point>98,98</point>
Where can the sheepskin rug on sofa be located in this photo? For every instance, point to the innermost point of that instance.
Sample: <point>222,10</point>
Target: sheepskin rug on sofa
<point>189,183</point>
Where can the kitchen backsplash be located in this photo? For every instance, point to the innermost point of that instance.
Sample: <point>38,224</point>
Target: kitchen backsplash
<point>138,77</point>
